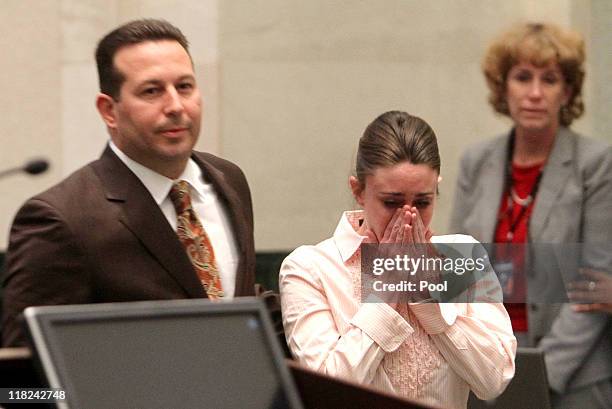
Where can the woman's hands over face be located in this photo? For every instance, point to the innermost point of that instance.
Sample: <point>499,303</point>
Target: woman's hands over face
<point>406,230</point>
<point>405,227</point>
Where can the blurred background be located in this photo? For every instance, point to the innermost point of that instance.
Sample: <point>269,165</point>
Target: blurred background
<point>288,86</point>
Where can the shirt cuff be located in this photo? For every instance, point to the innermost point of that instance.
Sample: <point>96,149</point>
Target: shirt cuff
<point>435,318</point>
<point>383,324</point>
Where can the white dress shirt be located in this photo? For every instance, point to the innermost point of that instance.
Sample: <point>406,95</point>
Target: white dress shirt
<point>430,352</point>
<point>207,206</point>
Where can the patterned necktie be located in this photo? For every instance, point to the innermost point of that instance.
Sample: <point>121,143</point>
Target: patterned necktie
<point>196,241</point>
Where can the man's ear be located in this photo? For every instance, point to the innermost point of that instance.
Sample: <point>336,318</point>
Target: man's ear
<point>356,189</point>
<point>106,108</point>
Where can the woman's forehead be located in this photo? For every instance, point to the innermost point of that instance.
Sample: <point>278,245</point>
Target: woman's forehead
<point>403,178</point>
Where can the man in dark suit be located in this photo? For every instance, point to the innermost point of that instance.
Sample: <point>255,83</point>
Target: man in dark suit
<point>108,232</point>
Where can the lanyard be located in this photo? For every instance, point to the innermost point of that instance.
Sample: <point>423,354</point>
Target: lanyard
<point>509,193</point>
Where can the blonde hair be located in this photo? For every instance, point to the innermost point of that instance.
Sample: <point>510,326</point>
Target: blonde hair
<point>539,44</point>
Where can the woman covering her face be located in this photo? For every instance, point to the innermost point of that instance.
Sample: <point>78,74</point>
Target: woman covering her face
<point>423,350</point>
<point>542,183</point>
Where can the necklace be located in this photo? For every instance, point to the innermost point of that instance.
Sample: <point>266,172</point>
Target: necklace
<point>513,197</point>
<point>521,202</point>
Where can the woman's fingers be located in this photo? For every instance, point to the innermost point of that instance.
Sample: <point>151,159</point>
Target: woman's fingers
<point>595,287</point>
<point>407,234</point>
<point>391,229</point>
<point>396,228</point>
<point>595,274</point>
<point>400,233</point>
<point>370,236</point>
<point>419,228</point>
<point>428,234</point>
<point>583,296</point>
<point>597,307</point>
<point>584,307</point>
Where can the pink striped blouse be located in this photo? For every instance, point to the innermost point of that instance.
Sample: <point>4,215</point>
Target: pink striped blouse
<point>434,353</point>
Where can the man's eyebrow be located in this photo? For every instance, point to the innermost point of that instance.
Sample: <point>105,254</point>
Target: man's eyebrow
<point>187,77</point>
<point>149,82</point>
<point>154,81</point>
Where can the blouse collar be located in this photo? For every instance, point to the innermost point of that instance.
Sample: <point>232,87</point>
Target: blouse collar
<point>346,237</point>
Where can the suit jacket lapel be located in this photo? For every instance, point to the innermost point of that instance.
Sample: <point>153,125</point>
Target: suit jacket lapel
<point>556,173</point>
<point>143,217</point>
<point>492,178</point>
<point>230,198</point>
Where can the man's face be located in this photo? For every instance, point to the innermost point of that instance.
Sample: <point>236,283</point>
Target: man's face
<point>156,119</point>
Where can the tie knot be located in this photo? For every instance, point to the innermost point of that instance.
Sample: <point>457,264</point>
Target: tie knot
<point>179,194</point>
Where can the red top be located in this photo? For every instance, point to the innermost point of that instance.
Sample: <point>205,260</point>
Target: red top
<point>523,181</point>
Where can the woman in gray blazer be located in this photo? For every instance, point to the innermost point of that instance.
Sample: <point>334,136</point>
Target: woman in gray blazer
<point>542,183</point>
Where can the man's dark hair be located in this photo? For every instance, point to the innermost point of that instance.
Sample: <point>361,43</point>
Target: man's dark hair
<point>134,32</point>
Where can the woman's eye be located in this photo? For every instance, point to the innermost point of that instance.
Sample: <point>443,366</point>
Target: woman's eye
<point>551,79</point>
<point>421,204</point>
<point>522,77</point>
<point>392,204</point>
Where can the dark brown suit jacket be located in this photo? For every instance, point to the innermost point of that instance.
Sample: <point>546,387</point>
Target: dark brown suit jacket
<point>98,236</point>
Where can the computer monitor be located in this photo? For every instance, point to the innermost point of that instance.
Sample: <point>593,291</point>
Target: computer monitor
<point>162,354</point>
<point>528,388</point>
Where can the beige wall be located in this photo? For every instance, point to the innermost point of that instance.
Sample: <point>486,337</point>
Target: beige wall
<point>49,83</point>
<point>30,122</point>
<point>301,80</point>
<point>288,85</point>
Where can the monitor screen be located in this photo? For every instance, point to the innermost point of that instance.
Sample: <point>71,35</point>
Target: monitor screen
<point>188,354</point>
<point>529,387</point>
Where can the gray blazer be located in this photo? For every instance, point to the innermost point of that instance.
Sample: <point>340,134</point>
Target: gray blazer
<point>573,205</point>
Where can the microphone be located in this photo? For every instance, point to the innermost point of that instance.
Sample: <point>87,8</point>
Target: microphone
<point>36,166</point>
<point>32,167</point>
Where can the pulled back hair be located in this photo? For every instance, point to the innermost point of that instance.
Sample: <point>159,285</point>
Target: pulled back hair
<point>134,32</point>
<point>540,45</point>
<point>395,137</point>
